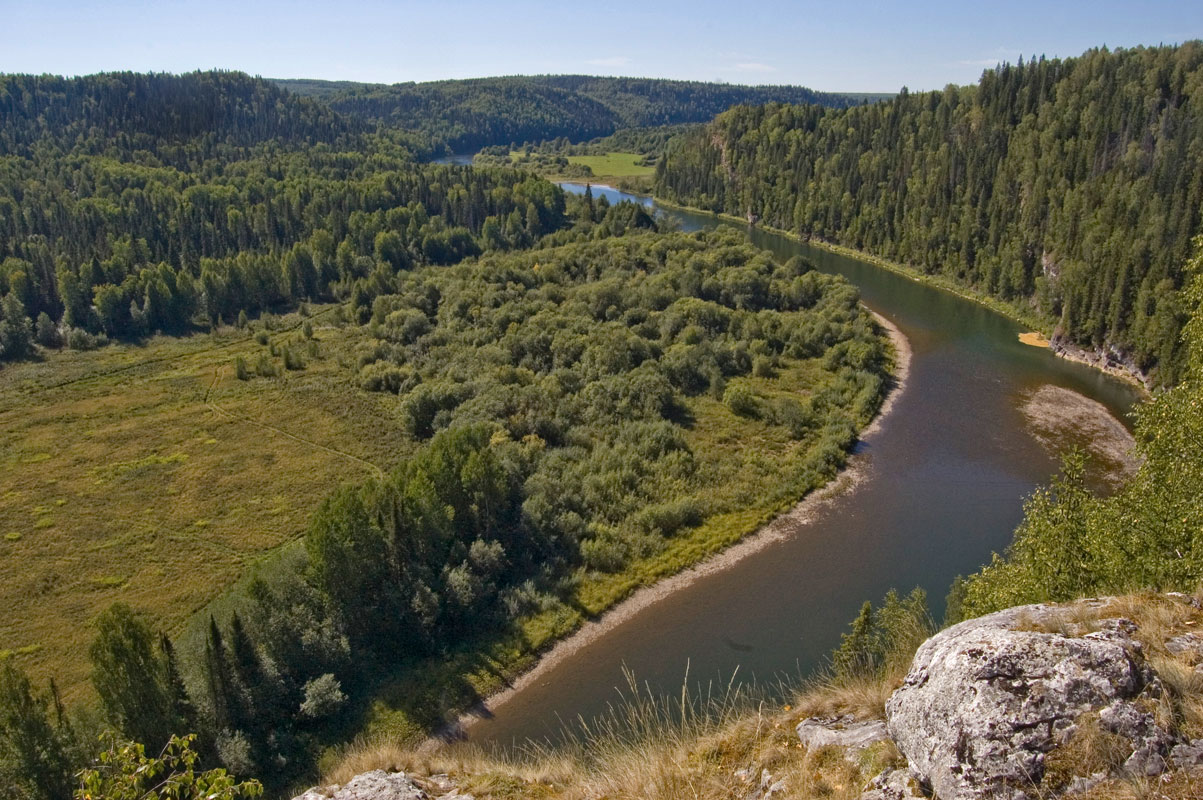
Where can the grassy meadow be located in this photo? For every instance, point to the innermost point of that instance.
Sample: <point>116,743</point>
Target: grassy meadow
<point>615,165</point>
<point>152,475</point>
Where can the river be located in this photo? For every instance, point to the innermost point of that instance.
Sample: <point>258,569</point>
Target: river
<point>944,485</point>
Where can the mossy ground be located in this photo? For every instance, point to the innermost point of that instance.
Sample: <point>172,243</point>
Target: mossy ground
<point>148,473</point>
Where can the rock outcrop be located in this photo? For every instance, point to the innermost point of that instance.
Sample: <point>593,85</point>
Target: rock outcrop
<point>381,785</point>
<point>375,785</point>
<point>844,732</point>
<point>986,700</point>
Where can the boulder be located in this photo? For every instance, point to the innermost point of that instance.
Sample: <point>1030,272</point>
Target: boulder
<point>985,700</point>
<point>375,785</point>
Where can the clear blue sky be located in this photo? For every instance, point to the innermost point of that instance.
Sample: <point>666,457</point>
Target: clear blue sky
<point>849,46</point>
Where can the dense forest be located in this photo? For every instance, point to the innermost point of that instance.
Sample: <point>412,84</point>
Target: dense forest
<point>176,118</point>
<point>1070,186</point>
<point>135,203</point>
<point>467,115</point>
<point>571,402</point>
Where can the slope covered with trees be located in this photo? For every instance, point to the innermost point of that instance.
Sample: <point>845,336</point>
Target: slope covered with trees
<point>467,115</point>
<point>133,203</point>
<point>123,112</point>
<point>1072,187</point>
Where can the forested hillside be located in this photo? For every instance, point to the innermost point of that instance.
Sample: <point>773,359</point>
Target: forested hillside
<point>122,112</point>
<point>467,115</point>
<point>133,203</point>
<point>1073,186</point>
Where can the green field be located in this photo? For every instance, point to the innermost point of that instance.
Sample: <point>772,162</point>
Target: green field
<point>615,165</point>
<point>152,475</point>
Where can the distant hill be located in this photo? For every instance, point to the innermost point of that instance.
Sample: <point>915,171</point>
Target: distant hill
<point>1069,187</point>
<point>154,111</point>
<point>467,115</point>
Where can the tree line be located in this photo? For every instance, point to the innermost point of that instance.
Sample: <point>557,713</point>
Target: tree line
<point>1070,187</point>
<point>466,115</point>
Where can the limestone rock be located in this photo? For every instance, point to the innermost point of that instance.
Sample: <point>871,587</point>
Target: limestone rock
<point>1188,644</point>
<point>985,700</point>
<point>375,785</point>
<point>893,784</point>
<point>841,732</point>
<point>767,788</point>
<point>1083,785</point>
<point>1188,755</point>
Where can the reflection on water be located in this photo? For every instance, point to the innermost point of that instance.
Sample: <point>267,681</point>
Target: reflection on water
<point>945,482</point>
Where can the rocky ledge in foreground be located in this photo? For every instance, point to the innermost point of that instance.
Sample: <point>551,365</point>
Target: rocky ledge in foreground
<point>1095,699</point>
<point>1037,701</point>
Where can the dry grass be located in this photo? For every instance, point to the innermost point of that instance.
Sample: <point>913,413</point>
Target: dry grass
<point>151,475</point>
<point>1179,785</point>
<point>658,748</point>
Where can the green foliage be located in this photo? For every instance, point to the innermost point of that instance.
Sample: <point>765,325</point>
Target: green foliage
<point>741,399</point>
<point>150,221</point>
<point>265,367</point>
<point>1069,185</point>
<point>132,676</point>
<point>561,399</point>
<point>1072,543</point>
<point>16,331</point>
<point>36,754</point>
<point>881,641</point>
<point>293,360</point>
<point>323,697</point>
<point>124,772</point>
<point>47,332</point>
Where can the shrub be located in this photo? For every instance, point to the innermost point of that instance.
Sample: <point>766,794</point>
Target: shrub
<point>293,359</point>
<point>323,697</point>
<point>265,367</point>
<point>124,772</point>
<point>47,332</point>
<point>604,554</point>
<point>741,400</point>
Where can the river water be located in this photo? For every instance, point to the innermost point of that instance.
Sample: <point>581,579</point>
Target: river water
<point>944,486</point>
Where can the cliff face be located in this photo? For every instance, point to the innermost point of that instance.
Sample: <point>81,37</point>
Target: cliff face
<point>1098,698</point>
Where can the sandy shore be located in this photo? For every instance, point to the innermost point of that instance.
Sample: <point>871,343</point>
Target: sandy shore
<point>787,524</point>
<point>1080,355</point>
<point>1056,415</point>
